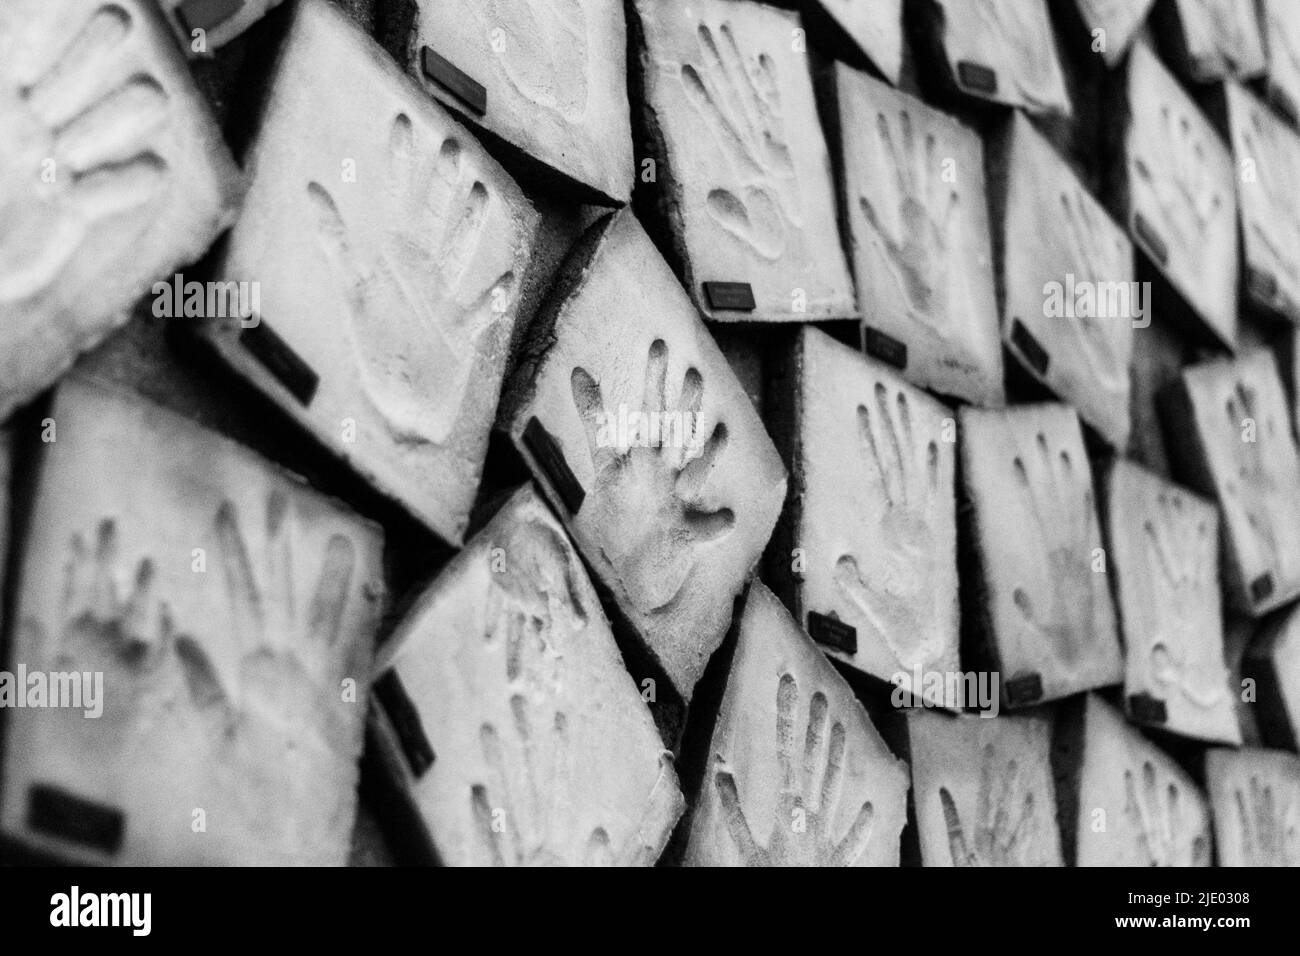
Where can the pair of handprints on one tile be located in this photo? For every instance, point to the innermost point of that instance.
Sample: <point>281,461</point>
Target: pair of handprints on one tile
<point>99,116</point>
<point>524,806</point>
<point>894,593</point>
<point>1006,819</point>
<point>545,56</point>
<point>1269,821</point>
<point>1155,815</point>
<point>417,305</point>
<point>1057,606</point>
<point>1184,180</point>
<point>1181,552</point>
<point>920,237</point>
<point>739,99</point>
<point>653,518</point>
<point>804,831</point>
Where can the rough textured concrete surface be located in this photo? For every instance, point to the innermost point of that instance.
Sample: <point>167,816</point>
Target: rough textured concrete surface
<point>1217,39</point>
<point>797,775</point>
<point>1256,799</point>
<point>112,175</point>
<point>541,750</point>
<point>231,612</point>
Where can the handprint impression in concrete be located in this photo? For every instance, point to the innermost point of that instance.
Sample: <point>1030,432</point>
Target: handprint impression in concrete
<point>652,518</point>
<point>1153,813</point>
<point>802,829</point>
<point>896,594</point>
<point>545,56</point>
<point>742,105</point>
<point>1005,823</point>
<point>100,139</point>
<point>416,313</point>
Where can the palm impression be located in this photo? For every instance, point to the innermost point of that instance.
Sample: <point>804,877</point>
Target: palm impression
<point>416,307</point>
<point>1006,817</point>
<point>1270,209</point>
<point>811,766</point>
<point>918,235</point>
<point>545,53</point>
<point>1022,34</point>
<point>652,513</point>
<point>1104,342</point>
<point>738,97</point>
<point>1269,820</point>
<point>86,103</point>
<point>1190,196</point>
<point>890,586</point>
<point>1155,811</point>
<point>1256,484</point>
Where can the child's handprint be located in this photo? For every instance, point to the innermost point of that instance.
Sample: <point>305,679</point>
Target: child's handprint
<point>1186,192</point>
<point>809,799</point>
<point>415,321</point>
<point>895,594</point>
<point>1004,823</point>
<point>1154,815</point>
<point>652,518</point>
<point>99,116</point>
<point>742,105</point>
<point>1270,833</point>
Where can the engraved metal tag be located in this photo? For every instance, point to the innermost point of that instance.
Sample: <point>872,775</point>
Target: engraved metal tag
<point>54,811</point>
<point>281,361</point>
<point>1150,239</point>
<point>1029,347</point>
<point>1025,689</point>
<point>1262,587</point>
<point>551,460</point>
<point>884,347</point>
<point>1147,709</point>
<point>406,722</point>
<point>735,296</point>
<point>977,77</point>
<point>454,80</point>
<point>827,630</point>
<point>206,14</point>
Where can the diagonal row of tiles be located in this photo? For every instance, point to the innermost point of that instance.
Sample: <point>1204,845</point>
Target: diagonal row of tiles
<point>370,211</point>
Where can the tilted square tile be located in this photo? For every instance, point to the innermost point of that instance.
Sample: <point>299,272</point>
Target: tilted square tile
<point>1003,51</point>
<point>230,612</point>
<point>872,562</point>
<point>1236,446</point>
<point>1282,41</point>
<point>1041,577</point>
<point>1212,40</point>
<point>1256,799</point>
<point>1272,662</point>
<point>205,25</point>
<point>389,249</point>
<point>920,243</point>
<point>648,447</point>
<point>745,183</point>
<point>1267,154</point>
<point>1070,301</point>
<point>876,26</point>
<point>1123,801</point>
<point>1164,550</point>
<point>112,174</point>
<point>521,737</point>
<point>797,775</point>
<point>1118,20</point>
<point>983,790</point>
<point>552,75</point>
<point>1179,201</point>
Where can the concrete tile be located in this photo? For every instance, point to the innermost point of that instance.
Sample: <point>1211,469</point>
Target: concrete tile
<point>1255,795</point>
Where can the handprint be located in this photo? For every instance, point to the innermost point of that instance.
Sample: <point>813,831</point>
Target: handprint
<point>652,517</point>
<point>809,799</point>
<point>895,594</point>
<point>1253,487</point>
<point>545,57</point>
<point>1004,825</point>
<point>919,245</point>
<point>742,105</point>
<point>1154,815</point>
<point>1099,339</point>
<point>1058,610</point>
<point>1181,550</point>
<point>1023,29</point>
<point>1270,834</point>
<point>1277,230</point>
<point>1188,196</point>
<point>416,308</point>
<point>99,116</point>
